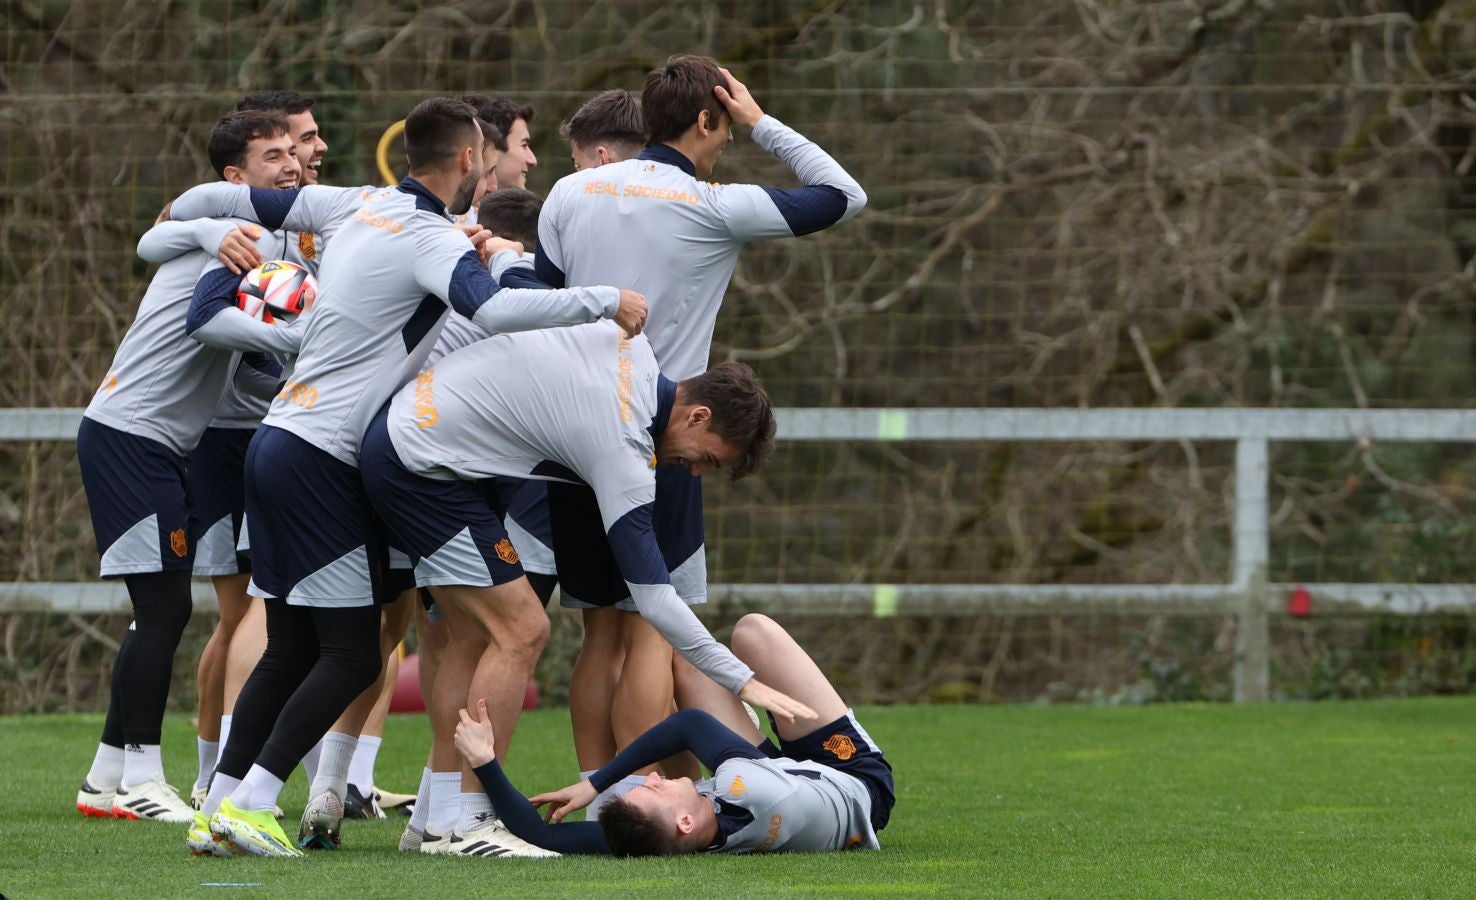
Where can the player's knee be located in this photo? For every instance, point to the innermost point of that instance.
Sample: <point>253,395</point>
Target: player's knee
<point>753,632</point>
<point>529,637</point>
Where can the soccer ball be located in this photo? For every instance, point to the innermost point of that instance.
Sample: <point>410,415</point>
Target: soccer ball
<point>276,290</point>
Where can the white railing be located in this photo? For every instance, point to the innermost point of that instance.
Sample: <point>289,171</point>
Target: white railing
<point>1246,596</point>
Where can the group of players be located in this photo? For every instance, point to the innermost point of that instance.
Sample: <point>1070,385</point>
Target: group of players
<point>489,396</point>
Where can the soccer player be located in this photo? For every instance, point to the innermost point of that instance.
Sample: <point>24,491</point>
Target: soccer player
<point>397,265</point>
<point>585,405</point>
<point>216,474</point>
<point>655,221</point>
<point>159,394</point>
<point>826,786</point>
<point>606,129</point>
<point>511,119</point>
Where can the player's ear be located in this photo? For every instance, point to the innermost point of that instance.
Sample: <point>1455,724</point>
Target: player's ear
<point>685,824</point>
<point>234,174</point>
<point>700,415</point>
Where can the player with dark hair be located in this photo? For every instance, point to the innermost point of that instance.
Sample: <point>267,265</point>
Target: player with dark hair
<point>656,221</point>
<point>397,265</point>
<point>512,119</point>
<point>160,392</point>
<point>607,128</point>
<point>579,404</point>
<point>307,142</point>
<point>512,213</point>
<point>826,786</point>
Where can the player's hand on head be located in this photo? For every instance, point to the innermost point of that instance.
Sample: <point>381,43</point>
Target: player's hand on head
<point>631,316</point>
<point>783,706</point>
<point>738,101</point>
<point>474,738</point>
<point>565,800</point>
<point>238,252</point>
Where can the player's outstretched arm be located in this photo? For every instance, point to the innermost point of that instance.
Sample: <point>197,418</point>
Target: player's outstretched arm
<point>446,268</point>
<point>474,740</point>
<point>316,208</point>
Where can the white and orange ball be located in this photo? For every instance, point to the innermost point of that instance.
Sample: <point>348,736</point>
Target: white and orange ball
<point>277,290</point>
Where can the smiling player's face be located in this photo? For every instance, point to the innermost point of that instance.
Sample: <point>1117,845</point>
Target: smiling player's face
<point>717,139</point>
<point>471,179</point>
<point>307,144</point>
<point>268,163</point>
<point>691,443</point>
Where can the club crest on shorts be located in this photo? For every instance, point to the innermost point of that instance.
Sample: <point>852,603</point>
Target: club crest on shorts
<point>840,745</point>
<point>177,543</point>
<point>506,552</point>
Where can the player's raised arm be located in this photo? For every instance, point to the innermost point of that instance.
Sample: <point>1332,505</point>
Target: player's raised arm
<point>474,739</point>
<point>830,194</point>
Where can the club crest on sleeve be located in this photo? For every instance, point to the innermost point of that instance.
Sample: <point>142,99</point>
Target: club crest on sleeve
<point>506,552</point>
<point>841,746</point>
<point>307,246</point>
<point>737,789</point>
<point>177,543</point>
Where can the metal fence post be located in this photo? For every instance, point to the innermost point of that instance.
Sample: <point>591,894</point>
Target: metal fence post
<point>1252,554</point>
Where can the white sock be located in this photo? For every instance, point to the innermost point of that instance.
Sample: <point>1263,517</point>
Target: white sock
<point>221,787</point>
<point>473,806</point>
<point>258,791</point>
<point>336,752</point>
<point>225,730</point>
<point>141,763</point>
<point>445,802</point>
<point>209,752</point>
<point>361,770</point>
<point>107,768</point>
<point>421,810</point>
<point>618,789</point>
<point>310,762</point>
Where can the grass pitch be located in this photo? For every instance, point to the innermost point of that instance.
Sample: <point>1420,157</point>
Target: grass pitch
<point>1340,799</point>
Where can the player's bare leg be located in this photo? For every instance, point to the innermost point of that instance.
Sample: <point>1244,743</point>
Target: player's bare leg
<point>696,691</point>
<point>780,662</point>
<point>592,687</point>
<point>230,595</point>
<point>512,626</point>
<point>643,695</point>
<point>432,637</point>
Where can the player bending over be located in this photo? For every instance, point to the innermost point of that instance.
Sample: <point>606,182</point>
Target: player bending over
<point>823,788</point>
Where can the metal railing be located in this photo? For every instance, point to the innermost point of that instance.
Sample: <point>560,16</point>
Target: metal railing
<point>1246,596</point>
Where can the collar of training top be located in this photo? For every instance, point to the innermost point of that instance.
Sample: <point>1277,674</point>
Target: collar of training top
<point>424,199</point>
<point>665,399</point>
<point>663,154</point>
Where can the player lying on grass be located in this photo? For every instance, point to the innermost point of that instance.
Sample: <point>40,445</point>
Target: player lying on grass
<point>822,788</point>
<point>582,405</point>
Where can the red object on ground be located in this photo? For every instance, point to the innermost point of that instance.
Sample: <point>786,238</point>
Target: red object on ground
<point>1299,604</point>
<point>406,697</point>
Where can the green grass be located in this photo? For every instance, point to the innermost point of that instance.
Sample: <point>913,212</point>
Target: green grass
<point>1369,799</point>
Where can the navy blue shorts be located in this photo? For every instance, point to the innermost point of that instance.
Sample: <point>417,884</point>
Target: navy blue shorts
<point>138,491</point>
<point>448,528</point>
<point>588,574</point>
<point>845,746</point>
<point>314,539</point>
<point>218,477</point>
<point>523,505</point>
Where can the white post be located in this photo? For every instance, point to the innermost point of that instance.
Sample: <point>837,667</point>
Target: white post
<point>1252,555</point>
